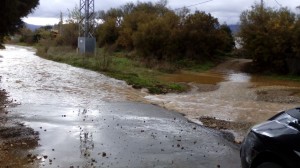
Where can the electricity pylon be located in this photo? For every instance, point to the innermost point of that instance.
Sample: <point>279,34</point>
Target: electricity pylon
<point>86,40</point>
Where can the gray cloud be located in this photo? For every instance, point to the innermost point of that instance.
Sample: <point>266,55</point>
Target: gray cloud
<point>225,10</point>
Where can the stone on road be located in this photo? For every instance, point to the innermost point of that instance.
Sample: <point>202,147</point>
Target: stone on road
<point>88,120</point>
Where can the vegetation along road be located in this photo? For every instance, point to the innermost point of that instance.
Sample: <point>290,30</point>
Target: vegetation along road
<point>173,73</point>
<point>82,118</point>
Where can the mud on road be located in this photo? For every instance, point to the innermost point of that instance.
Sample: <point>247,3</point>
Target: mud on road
<point>86,119</point>
<point>15,139</point>
<point>87,111</point>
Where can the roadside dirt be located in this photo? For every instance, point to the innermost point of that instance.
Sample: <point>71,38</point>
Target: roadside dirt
<point>225,125</point>
<point>15,139</point>
<point>239,128</point>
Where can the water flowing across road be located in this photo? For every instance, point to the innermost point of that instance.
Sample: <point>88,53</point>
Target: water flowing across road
<point>86,119</point>
<point>234,96</point>
<point>31,79</point>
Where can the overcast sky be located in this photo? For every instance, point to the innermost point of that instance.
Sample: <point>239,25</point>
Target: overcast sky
<point>225,10</point>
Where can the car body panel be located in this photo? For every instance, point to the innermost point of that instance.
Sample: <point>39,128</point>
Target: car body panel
<point>276,140</point>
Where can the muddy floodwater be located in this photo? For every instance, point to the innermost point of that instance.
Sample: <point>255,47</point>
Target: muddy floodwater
<point>85,119</point>
<point>31,79</point>
<point>225,93</point>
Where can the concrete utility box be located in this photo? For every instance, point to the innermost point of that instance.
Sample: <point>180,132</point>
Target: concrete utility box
<point>86,45</point>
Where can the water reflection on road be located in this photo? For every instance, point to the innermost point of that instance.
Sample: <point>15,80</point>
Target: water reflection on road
<point>85,119</point>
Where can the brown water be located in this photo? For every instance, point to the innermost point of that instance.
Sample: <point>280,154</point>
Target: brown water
<point>31,79</point>
<point>235,98</point>
<point>86,119</point>
<point>192,77</point>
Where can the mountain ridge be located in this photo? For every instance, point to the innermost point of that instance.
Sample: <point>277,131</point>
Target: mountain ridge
<point>32,27</point>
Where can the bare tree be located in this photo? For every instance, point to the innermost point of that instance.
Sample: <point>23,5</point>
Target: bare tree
<point>74,15</point>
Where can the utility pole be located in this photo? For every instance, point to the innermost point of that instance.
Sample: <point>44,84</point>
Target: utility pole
<point>61,24</point>
<point>86,40</point>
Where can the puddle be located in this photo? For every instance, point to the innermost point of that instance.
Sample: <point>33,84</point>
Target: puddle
<point>52,99</point>
<point>202,78</point>
<point>70,107</point>
<point>239,78</point>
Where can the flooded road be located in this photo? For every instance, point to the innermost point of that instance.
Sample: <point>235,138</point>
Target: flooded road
<point>227,94</point>
<point>31,79</point>
<point>86,119</point>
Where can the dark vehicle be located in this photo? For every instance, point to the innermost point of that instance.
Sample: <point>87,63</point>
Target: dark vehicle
<point>274,143</point>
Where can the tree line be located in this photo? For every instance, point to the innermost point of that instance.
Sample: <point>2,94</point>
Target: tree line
<point>152,31</point>
<point>271,37</point>
<point>157,32</point>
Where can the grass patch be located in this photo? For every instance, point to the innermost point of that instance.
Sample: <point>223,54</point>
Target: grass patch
<point>115,65</point>
<point>295,78</point>
<point>202,67</point>
<point>196,67</point>
<point>138,73</point>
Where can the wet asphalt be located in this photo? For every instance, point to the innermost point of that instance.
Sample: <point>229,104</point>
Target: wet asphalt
<point>124,135</point>
<point>86,119</point>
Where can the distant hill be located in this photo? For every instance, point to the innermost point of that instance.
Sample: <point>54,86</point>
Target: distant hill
<point>234,28</point>
<point>32,27</point>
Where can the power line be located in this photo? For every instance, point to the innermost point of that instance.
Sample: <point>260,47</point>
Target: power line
<point>194,5</point>
<point>278,3</point>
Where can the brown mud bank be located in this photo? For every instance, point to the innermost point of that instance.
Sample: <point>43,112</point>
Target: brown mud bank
<point>16,140</point>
